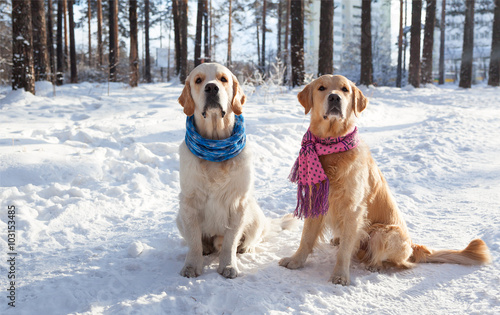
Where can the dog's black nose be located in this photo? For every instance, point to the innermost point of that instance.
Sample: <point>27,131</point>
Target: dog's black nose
<point>334,99</point>
<point>211,88</point>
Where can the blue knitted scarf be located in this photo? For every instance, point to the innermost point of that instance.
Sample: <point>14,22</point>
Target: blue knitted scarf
<point>216,150</point>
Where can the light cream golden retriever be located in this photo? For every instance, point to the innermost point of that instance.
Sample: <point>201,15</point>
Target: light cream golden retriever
<point>362,213</point>
<point>218,211</point>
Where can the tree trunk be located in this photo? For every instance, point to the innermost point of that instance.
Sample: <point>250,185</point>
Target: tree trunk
<point>66,51</point>
<point>441,44</point>
<point>416,25</point>
<point>50,41</point>
<point>263,54</point>
<point>59,40</point>
<point>325,54</point>
<point>134,45</point>
<point>199,28</point>
<point>468,46</point>
<point>100,49</point>
<point>257,33</point>
<point>430,18</point>
<point>113,40</point>
<point>40,54</point>
<point>147,68</point>
<point>297,42</point>
<point>400,46</point>
<point>287,56</point>
<point>23,74</point>
<point>494,71</point>
<point>206,33</point>
<point>184,53</point>
<point>366,76</point>
<point>280,16</point>
<point>229,38</point>
<point>72,44</point>
<point>90,34</point>
<point>177,34</point>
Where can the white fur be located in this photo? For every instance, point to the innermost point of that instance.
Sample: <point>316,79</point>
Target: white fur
<point>216,199</point>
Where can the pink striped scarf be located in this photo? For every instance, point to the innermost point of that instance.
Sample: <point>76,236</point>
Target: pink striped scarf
<point>313,184</point>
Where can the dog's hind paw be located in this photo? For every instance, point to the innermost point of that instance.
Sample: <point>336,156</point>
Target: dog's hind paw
<point>290,263</point>
<point>228,272</point>
<point>189,272</point>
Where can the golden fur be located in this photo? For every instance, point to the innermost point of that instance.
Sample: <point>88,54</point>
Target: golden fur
<point>362,214</point>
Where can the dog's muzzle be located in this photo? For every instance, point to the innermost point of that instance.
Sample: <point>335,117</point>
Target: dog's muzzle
<point>212,99</point>
<point>334,106</point>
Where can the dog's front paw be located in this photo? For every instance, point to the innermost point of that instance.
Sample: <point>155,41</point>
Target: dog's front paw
<point>228,272</point>
<point>190,272</point>
<point>338,279</point>
<point>291,263</point>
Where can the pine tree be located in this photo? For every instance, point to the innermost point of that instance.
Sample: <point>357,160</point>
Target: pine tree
<point>147,68</point>
<point>416,25</point>
<point>263,47</point>
<point>199,27</point>
<point>184,28</point>
<point>90,32</point>
<point>59,40</point>
<point>50,41</point>
<point>229,37</point>
<point>366,76</point>
<point>468,46</point>
<point>430,18</point>
<point>441,44</point>
<point>297,42</point>
<point>399,75</point>
<point>100,49</point>
<point>206,32</point>
<point>23,74</point>
<point>40,52</point>
<point>113,40</point>
<point>72,44</point>
<point>134,56</point>
<point>494,71</point>
<point>325,56</point>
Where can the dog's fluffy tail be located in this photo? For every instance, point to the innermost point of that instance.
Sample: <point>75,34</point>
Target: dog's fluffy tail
<point>476,253</point>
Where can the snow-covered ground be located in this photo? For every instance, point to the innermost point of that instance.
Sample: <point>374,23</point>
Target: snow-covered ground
<point>94,178</point>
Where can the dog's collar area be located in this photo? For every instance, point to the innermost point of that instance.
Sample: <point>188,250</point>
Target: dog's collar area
<point>307,172</point>
<point>216,150</point>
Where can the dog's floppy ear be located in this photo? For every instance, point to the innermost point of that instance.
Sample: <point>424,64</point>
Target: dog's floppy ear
<point>239,97</point>
<point>359,101</point>
<point>186,100</point>
<point>306,97</point>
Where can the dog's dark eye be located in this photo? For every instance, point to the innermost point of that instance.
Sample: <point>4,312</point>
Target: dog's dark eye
<point>223,79</point>
<point>198,81</point>
<point>345,89</point>
<point>321,88</point>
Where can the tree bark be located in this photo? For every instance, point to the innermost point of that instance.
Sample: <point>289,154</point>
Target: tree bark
<point>90,33</point>
<point>430,18</point>
<point>199,28</point>
<point>229,38</point>
<point>134,45</point>
<point>468,46</point>
<point>23,74</point>
<point>59,40</point>
<point>366,76</point>
<point>325,53</point>
<point>287,56</point>
<point>100,49</point>
<point>416,25</point>
<point>113,40</point>
<point>50,41</point>
<point>399,75</point>
<point>494,71</point>
<point>280,16</point>
<point>184,26</point>
<point>147,68</point>
<point>441,44</point>
<point>72,44</point>
<point>66,51</point>
<point>297,42</point>
<point>263,53</point>
<point>40,54</point>
<point>177,34</point>
<point>206,32</point>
